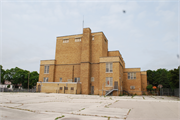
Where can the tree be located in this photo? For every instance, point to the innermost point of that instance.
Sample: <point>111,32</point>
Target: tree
<point>149,87</point>
<point>19,76</point>
<point>174,78</point>
<point>2,73</point>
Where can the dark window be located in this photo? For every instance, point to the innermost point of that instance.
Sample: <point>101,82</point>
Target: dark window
<point>60,88</point>
<point>66,88</point>
<point>72,88</point>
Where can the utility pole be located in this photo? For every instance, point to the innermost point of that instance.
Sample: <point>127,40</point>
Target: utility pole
<point>28,82</point>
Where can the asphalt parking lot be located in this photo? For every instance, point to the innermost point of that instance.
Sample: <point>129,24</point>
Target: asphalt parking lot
<point>42,106</point>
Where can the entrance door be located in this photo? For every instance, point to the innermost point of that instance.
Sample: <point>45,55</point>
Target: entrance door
<point>92,90</point>
<point>39,88</point>
<point>115,84</point>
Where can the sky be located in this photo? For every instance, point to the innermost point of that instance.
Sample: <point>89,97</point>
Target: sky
<point>147,34</point>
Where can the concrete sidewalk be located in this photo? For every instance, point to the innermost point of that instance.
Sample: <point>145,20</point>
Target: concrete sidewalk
<point>42,106</point>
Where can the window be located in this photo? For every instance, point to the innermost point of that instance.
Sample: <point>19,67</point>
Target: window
<point>132,75</point>
<point>109,67</point>
<point>66,88</point>
<point>60,79</point>
<point>45,79</point>
<point>92,37</point>
<point>65,40</point>
<point>60,88</point>
<point>132,87</point>
<point>76,79</point>
<point>46,69</point>
<point>72,88</point>
<point>77,39</point>
<point>105,41</point>
<point>109,81</point>
<point>92,79</point>
<point>69,80</point>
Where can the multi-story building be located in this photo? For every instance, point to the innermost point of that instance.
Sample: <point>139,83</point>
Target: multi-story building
<point>83,65</point>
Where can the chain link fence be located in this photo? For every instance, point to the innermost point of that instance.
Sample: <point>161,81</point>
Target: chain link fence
<point>17,90</point>
<point>169,92</point>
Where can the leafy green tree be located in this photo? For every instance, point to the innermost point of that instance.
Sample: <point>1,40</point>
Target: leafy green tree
<point>20,76</point>
<point>174,78</point>
<point>2,73</point>
<point>149,87</point>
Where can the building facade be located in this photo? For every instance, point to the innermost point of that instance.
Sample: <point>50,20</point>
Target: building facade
<point>83,65</point>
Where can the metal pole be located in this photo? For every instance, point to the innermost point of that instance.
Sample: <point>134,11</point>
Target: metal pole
<point>28,82</point>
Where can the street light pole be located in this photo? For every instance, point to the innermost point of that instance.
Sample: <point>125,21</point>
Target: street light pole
<point>28,82</point>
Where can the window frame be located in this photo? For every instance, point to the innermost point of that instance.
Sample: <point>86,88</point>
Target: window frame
<point>65,40</point>
<point>45,79</point>
<point>131,75</point>
<point>77,79</point>
<point>110,80</point>
<point>92,79</point>
<point>109,67</point>
<point>132,87</point>
<point>92,37</point>
<point>78,39</point>
<point>60,79</point>
<point>46,69</point>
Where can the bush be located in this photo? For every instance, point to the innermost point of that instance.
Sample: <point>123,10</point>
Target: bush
<point>149,87</point>
<point>8,86</point>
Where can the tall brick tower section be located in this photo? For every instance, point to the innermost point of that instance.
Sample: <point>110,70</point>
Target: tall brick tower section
<point>85,61</point>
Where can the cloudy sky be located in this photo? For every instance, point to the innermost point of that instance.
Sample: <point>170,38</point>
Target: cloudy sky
<point>146,35</point>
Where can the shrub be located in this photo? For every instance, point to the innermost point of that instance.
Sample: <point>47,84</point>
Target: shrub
<point>8,86</point>
<point>149,87</point>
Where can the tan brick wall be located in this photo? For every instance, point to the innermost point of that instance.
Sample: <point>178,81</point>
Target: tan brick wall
<point>55,87</point>
<point>144,81</point>
<point>86,45</point>
<point>95,74</point>
<point>68,53</point>
<point>96,50</point>
<point>50,75</point>
<point>47,62</point>
<point>132,82</point>
<point>85,78</point>
<point>103,75</point>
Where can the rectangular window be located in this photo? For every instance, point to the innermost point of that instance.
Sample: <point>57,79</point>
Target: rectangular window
<point>132,75</point>
<point>109,81</point>
<point>76,79</point>
<point>46,69</point>
<point>65,40</point>
<point>69,80</point>
<point>132,87</point>
<point>92,37</point>
<point>60,88</point>
<point>72,88</point>
<point>66,88</point>
<point>45,79</point>
<point>109,67</point>
<point>60,79</point>
<point>92,79</point>
<point>77,39</point>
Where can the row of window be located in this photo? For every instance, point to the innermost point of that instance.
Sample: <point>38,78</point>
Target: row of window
<point>109,68</point>
<point>76,40</point>
<point>109,81</point>
<point>65,88</point>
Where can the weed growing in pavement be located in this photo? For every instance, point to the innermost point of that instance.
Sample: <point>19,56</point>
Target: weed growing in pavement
<point>59,117</point>
<point>143,98</point>
<point>108,118</point>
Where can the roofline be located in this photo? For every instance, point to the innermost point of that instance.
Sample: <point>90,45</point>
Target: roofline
<point>80,34</point>
<point>131,68</point>
<point>47,60</point>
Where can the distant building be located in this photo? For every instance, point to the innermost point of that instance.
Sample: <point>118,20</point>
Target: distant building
<point>83,65</point>
<point>6,83</point>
